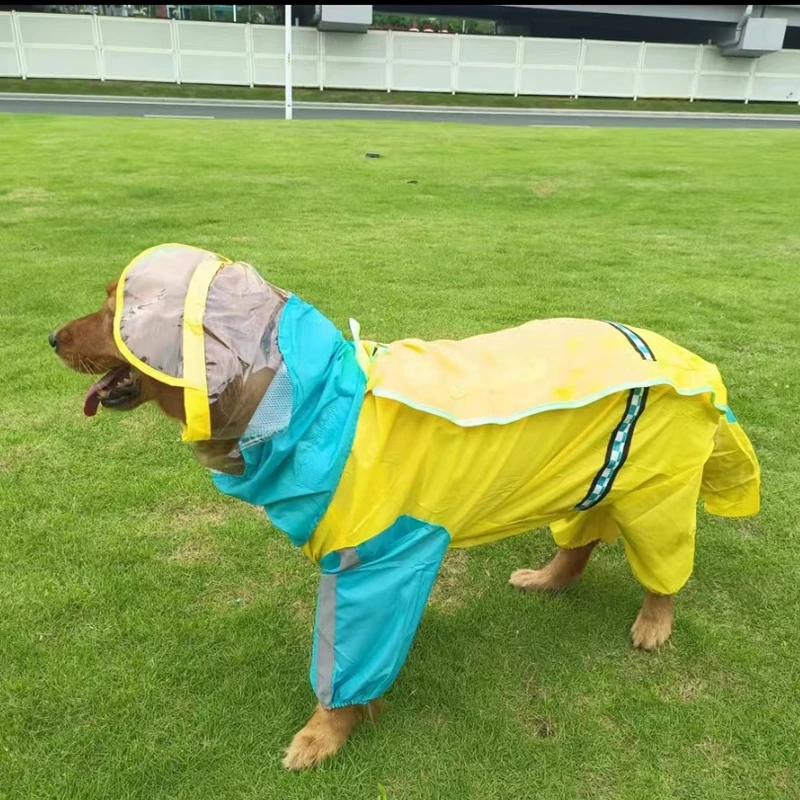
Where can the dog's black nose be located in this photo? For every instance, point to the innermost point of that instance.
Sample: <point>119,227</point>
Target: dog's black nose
<point>53,339</point>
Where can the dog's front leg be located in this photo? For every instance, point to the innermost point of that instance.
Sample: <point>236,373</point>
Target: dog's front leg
<point>326,733</point>
<point>369,605</point>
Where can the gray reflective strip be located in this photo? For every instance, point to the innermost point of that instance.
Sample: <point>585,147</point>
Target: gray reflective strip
<point>326,630</point>
<point>326,625</point>
<point>348,558</point>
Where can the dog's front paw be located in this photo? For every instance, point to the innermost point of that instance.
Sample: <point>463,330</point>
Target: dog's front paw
<point>310,747</point>
<point>326,733</point>
<point>648,633</point>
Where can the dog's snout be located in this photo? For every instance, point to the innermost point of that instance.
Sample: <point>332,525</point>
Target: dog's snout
<point>53,339</point>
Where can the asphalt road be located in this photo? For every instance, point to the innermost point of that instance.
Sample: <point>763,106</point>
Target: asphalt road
<point>154,108</point>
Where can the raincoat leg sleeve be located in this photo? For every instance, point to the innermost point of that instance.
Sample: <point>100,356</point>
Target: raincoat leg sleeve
<point>371,599</point>
<point>658,522</point>
<point>583,527</point>
<point>732,477</point>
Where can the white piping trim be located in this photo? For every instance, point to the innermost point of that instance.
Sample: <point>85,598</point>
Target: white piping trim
<point>580,403</point>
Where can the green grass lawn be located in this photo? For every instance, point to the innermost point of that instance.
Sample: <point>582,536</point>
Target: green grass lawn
<point>155,636</point>
<point>215,92</point>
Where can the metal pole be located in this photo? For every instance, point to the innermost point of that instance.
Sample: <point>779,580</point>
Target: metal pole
<point>288,61</point>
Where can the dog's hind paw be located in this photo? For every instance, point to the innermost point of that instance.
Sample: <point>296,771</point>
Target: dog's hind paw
<point>653,624</point>
<point>531,580</point>
<point>649,634</point>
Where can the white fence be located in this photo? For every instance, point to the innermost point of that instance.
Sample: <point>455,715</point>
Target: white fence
<point>117,48</point>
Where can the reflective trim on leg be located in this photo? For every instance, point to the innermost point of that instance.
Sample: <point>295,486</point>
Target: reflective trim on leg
<point>371,600</point>
<point>326,633</point>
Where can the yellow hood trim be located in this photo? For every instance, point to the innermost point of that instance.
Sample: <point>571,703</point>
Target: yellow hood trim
<point>194,382</point>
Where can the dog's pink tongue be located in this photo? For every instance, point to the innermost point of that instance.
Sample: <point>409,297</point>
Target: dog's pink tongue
<point>92,401</point>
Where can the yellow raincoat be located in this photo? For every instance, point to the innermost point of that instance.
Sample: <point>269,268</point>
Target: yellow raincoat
<point>375,458</point>
<point>594,429</point>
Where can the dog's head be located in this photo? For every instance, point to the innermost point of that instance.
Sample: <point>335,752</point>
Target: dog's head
<point>139,349</point>
<point>87,345</point>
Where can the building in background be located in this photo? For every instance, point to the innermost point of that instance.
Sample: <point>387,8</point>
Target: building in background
<point>773,26</point>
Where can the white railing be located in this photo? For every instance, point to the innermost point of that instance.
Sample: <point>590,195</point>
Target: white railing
<point>117,48</point>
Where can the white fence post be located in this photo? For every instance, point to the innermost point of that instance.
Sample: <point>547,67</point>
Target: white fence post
<point>581,59</point>
<point>176,49</point>
<point>698,62</point>
<point>97,35</point>
<point>389,60</point>
<point>518,66</point>
<point>637,78</point>
<point>455,52</point>
<point>321,59</point>
<point>17,34</point>
<point>251,59</point>
<point>748,92</point>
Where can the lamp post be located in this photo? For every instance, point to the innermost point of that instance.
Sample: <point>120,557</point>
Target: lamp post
<point>288,61</point>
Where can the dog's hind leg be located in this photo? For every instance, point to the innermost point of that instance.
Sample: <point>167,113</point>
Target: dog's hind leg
<point>576,535</point>
<point>658,524</point>
<point>567,566</point>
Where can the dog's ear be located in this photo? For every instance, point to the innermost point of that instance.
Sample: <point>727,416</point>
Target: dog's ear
<point>111,296</point>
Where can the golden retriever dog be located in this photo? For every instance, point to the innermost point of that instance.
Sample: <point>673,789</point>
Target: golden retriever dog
<point>88,345</point>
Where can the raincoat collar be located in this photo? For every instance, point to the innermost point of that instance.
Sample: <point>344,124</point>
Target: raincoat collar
<point>293,476</point>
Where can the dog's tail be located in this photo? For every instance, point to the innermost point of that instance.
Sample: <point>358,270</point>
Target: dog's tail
<point>731,477</point>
